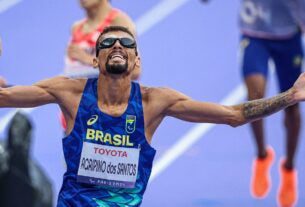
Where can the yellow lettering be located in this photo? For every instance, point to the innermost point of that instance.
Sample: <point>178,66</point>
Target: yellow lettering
<point>90,134</point>
<point>123,140</point>
<point>107,138</point>
<point>128,142</point>
<point>99,135</point>
<point>117,140</point>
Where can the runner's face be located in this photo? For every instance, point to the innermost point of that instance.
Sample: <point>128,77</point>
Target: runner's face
<point>117,59</point>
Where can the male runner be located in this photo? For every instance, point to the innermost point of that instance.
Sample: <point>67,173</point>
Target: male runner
<point>111,121</point>
<point>271,30</point>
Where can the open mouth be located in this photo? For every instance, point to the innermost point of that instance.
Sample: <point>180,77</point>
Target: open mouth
<point>117,56</point>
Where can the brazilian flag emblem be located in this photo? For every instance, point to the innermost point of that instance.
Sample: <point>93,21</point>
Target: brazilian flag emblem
<point>130,123</point>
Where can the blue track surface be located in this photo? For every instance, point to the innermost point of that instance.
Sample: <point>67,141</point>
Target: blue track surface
<point>194,50</point>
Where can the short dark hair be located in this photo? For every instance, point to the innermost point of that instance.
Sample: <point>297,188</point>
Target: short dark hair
<point>112,29</point>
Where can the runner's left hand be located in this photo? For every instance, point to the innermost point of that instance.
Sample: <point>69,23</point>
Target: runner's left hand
<point>299,88</point>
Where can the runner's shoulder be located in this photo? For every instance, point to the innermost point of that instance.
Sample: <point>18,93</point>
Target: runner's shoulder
<point>155,93</point>
<point>62,83</point>
<point>164,95</point>
<point>75,84</point>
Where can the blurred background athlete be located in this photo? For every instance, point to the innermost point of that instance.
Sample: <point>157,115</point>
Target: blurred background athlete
<point>271,29</point>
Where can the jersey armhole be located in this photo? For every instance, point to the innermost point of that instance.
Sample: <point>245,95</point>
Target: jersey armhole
<point>78,108</point>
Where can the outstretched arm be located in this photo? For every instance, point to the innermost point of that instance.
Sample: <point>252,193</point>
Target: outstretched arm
<point>260,108</point>
<point>184,108</point>
<point>43,92</point>
<point>25,96</point>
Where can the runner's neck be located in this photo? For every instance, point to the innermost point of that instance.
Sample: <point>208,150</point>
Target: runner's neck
<point>113,91</point>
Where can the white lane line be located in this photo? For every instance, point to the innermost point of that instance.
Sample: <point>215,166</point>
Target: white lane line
<point>6,4</point>
<point>143,24</point>
<point>157,14</point>
<point>193,135</point>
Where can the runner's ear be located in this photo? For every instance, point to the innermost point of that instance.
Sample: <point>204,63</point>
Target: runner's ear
<point>138,61</point>
<point>95,62</point>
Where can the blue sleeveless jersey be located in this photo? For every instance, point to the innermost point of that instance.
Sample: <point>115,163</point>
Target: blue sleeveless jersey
<point>90,119</point>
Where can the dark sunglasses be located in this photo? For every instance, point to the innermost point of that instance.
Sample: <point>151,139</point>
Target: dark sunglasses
<point>109,42</point>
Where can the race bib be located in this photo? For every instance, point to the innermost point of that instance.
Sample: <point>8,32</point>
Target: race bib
<point>108,166</point>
